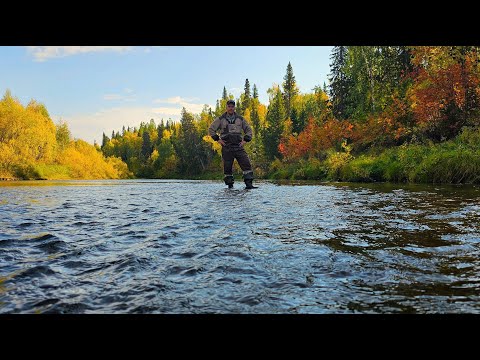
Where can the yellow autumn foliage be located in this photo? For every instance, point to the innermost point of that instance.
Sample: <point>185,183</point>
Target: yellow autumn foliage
<point>31,148</point>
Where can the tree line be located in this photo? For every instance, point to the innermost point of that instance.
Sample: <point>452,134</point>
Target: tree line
<point>394,113</point>
<point>379,98</point>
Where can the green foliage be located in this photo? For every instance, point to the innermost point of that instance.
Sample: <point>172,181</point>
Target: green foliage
<point>290,89</point>
<point>275,123</point>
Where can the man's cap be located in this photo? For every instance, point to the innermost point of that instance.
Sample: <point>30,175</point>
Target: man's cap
<point>231,102</point>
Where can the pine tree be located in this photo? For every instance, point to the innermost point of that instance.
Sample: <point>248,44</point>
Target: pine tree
<point>339,82</point>
<point>290,89</point>
<point>123,130</point>
<point>296,126</point>
<point>160,129</point>
<point>255,121</point>
<point>247,95</point>
<point>146,145</point>
<point>224,95</point>
<point>255,91</point>
<point>275,122</point>
<point>105,140</point>
<point>113,134</point>
<point>238,107</point>
<point>188,146</point>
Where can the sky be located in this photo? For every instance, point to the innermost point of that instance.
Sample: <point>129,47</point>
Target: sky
<point>98,89</point>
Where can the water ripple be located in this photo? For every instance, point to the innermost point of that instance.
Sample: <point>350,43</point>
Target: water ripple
<point>167,246</point>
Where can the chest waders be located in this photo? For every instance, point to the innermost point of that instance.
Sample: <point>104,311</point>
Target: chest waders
<point>231,151</point>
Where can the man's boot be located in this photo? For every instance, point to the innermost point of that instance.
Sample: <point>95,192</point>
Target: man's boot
<point>249,184</point>
<point>248,178</point>
<point>229,180</point>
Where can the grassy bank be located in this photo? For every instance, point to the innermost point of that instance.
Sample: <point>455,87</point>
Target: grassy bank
<point>454,161</point>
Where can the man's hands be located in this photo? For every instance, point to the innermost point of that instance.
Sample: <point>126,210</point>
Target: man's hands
<point>243,142</point>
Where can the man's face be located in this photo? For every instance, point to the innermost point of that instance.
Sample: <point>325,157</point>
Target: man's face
<point>230,108</point>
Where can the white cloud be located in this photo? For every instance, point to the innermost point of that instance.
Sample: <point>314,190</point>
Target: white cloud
<point>181,102</point>
<point>129,96</point>
<point>167,111</point>
<point>43,53</point>
<point>175,100</point>
<point>89,127</point>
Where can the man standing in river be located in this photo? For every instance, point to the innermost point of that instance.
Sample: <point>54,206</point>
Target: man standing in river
<point>231,125</point>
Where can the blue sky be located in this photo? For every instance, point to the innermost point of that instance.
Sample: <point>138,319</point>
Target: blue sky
<point>98,89</point>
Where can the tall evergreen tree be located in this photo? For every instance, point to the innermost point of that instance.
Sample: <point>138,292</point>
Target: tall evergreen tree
<point>105,140</point>
<point>296,126</point>
<point>188,146</point>
<point>340,83</point>
<point>275,123</point>
<point>247,95</point>
<point>255,121</point>
<point>290,89</point>
<point>239,106</point>
<point>146,145</point>
<point>224,95</point>
<point>255,91</point>
<point>160,129</point>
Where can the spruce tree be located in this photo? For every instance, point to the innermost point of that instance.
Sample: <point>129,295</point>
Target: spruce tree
<point>255,91</point>
<point>105,140</point>
<point>290,89</point>
<point>339,82</point>
<point>275,121</point>
<point>247,95</point>
<point>146,145</point>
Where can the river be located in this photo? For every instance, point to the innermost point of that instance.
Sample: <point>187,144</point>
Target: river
<point>178,246</point>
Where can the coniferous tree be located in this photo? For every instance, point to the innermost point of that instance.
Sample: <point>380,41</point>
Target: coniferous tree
<point>239,107</point>
<point>146,145</point>
<point>290,89</point>
<point>340,82</point>
<point>255,91</point>
<point>105,140</point>
<point>188,146</point>
<point>275,121</point>
<point>247,95</point>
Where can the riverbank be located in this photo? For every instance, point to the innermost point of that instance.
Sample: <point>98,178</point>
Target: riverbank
<point>456,161</point>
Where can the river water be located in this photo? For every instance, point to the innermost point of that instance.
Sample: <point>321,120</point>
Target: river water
<point>172,246</point>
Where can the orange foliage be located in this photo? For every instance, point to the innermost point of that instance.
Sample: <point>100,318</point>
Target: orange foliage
<point>446,88</point>
<point>315,138</point>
